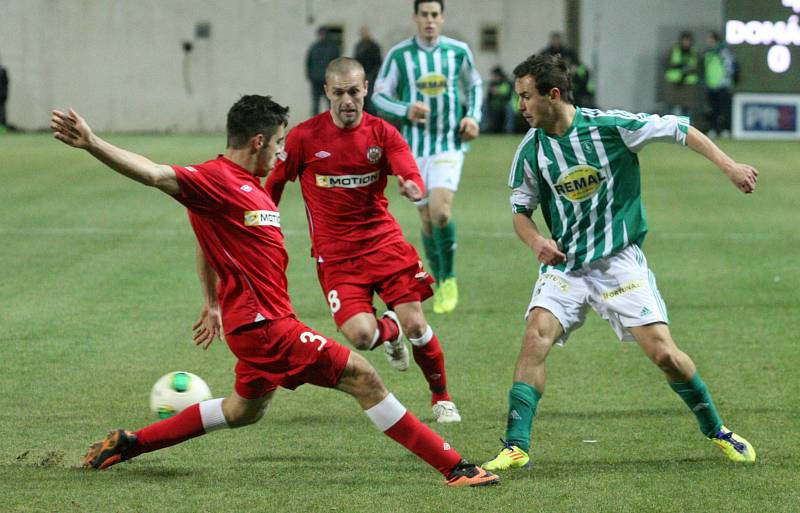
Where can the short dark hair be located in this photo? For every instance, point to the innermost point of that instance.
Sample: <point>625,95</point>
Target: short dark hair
<point>252,115</point>
<point>417,2</point>
<point>342,65</point>
<point>548,71</point>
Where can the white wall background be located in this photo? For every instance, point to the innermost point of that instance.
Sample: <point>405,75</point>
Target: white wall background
<point>120,62</point>
<point>625,40</point>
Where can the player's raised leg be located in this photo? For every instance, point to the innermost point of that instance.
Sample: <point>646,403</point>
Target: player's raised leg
<point>529,382</point>
<point>387,413</point>
<point>681,373</point>
<point>429,356</point>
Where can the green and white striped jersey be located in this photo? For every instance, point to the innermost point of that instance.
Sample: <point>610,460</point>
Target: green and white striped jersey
<point>433,75</point>
<point>587,181</point>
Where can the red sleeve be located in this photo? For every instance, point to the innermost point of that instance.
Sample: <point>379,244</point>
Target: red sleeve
<point>200,190</point>
<point>401,160</point>
<point>287,167</point>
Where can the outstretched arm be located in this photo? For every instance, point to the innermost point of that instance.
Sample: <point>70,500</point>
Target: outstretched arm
<point>743,176</point>
<point>546,250</point>
<point>72,129</point>
<point>209,325</point>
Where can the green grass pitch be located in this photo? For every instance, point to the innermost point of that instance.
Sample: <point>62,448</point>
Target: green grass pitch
<point>99,293</point>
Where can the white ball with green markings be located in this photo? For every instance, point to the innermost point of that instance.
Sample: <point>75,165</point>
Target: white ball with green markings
<point>175,391</point>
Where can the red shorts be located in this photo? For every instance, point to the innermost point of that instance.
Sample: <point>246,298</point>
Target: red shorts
<point>286,353</point>
<point>394,272</point>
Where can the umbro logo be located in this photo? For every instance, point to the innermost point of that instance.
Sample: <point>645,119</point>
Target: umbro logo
<point>322,154</point>
<point>246,188</point>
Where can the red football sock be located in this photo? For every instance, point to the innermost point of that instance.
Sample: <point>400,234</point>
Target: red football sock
<point>430,359</point>
<point>164,433</point>
<point>387,330</point>
<point>404,428</point>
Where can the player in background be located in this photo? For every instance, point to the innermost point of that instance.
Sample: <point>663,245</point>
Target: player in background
<point>421,82</point>
<point>238,228</point>
<point>342,159</point>
<point>580,165</point>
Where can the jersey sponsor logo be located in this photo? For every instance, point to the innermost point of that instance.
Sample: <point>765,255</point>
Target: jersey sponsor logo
<point>322,154</point>
<point>432,84</point>
<point>191,169</point>
<point>262,218</point>
<point>246,188</point>
<point>580,182</point>
<point>347,181</point>
<point>374,154</point>
<point>623,289</point>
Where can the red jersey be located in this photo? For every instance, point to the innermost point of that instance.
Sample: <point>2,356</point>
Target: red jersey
<point>343,175</point>
<point>238,227</point>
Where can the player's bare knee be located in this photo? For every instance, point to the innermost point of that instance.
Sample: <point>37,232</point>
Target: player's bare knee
<point>362,381</point>
<point>666,360</point>
<point>361,340</point>
<point>441,217</point>
<point>239,416</point>
<point>359,335</point>
<point>415,327</point>
<point>536,335</point>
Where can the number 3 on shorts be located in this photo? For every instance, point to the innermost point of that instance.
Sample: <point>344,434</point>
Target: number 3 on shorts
<point>333,301</point>
<point>307,336</point>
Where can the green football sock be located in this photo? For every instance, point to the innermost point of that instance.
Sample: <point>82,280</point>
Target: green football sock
<point>445,239</point>
<point>697,397</point>
<point>522,402</point>
<point>431,254</point>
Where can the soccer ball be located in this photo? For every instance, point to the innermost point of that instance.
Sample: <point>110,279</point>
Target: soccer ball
<point>175,391</point>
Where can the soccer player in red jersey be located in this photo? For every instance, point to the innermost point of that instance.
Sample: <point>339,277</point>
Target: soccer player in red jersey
<point>342,159</point>
<point>238,229</point>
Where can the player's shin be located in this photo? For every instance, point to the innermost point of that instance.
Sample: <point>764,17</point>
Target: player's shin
<point>522,402</point>
<point>429,357</point>
<point>697,397</point>
<point>392,418</point>
<point>198,419</point>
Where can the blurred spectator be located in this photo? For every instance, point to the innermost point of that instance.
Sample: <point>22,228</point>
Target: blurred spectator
<point>368,54</point>
<point>499,111</point>
<point>556,47</point>
<point>3,96</point>
<point>719,77</point>
<point>682,76</point>
<point>582,85</point>
<point>319,54</point>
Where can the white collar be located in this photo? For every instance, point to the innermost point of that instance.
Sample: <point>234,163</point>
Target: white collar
<point>426,46</point>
